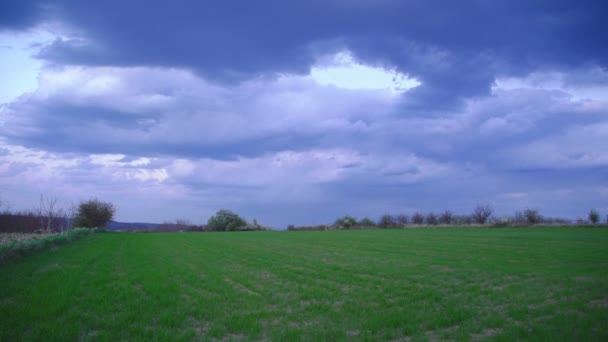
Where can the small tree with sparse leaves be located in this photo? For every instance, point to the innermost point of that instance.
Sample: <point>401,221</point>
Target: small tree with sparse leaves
<point>366,222</point>
<point>482,213</point>
<point>94,214</point>
<point>446,217</point>
<point>431,219</point>
<point>417,218</point>
<point>594,216</point>
<point>532,216</point>
<point>346,222</point>
<point>387,221</point>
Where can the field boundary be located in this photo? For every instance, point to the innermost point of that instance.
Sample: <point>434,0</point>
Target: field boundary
<point>17,249</point>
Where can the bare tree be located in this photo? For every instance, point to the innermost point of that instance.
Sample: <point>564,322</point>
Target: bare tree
<point>67,216</point>
<point>417,218</point>
<point>7,207</point>
<point>446,217</point>
<point>482,213</point>
<point>532,216</point>
<point>431,219</point>
<point>402,219</point>
<point>387,221</point>
<point>48,213</point>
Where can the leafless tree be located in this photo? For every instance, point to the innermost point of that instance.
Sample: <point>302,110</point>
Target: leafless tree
<point>402,219</point>
<point>67,216</point>
<point>417,218</point>
<point>431,219</point>
<point>48,213</point>
<point>446,217</point>
<point>482,213</point>
<point>532,216</point>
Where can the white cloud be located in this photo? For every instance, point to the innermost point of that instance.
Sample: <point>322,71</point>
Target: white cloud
<point>18,67</point>
<point>345,72</point>
<point>170,106</point>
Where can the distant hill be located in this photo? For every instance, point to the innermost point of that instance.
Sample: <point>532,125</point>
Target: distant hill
<point>131,226</point>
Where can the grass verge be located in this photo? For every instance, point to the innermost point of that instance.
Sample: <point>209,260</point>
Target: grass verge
<point>16,248</point>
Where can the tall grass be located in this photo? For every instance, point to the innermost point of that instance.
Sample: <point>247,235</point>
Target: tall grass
<point>17,249</point>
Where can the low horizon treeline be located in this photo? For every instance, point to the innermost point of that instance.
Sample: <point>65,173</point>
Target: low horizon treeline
<point>32,222</point>
<point>481,215</point>
<point>50,217</point>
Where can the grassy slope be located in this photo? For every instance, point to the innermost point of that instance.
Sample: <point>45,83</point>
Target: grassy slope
<point>341,285</point>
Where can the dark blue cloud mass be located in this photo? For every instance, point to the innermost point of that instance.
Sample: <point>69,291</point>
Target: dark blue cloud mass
<point>455,49</point>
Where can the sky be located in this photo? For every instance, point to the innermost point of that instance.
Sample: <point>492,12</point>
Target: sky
<point>299,112</point>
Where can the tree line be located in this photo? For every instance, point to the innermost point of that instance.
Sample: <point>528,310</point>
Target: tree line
<point>51,217</point>
<point>481,215</point>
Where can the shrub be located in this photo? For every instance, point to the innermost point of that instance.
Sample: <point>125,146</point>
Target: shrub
<point>402,219</point>
<point>252,227</point>
<point>94,213</point>
<point>482,213</point>
<point>532,216</point>
<point>417,218</point>
<point>463,219</point>
<point>225,221</point>
<point>501,222</point>
<point>346,222</point>
<point>387,221</point>
<point>366,222</point>
<point>519,218</point>
<point>431,218</point>
<point>446,217</point>
<point>594,216</point>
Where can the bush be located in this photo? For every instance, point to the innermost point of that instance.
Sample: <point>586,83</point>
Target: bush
<point>594,216</point>
<point>519,218</point>
<point>402,219</point>
<point>417,218</point>
<point>431,218</point>
<point>462,220</point>
<point>366,222</point>
<point>94,213</point>
<point>225,221</point>
<point>532,216</point>
<point>501,222</point>
<point>446,217</point>
<point>346,222</point>
<point>387,221</point>
<point>482,213</point>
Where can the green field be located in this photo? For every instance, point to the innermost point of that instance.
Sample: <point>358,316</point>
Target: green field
<point>419,284</point>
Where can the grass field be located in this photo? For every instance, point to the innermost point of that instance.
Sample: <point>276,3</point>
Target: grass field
<point>419,284</point>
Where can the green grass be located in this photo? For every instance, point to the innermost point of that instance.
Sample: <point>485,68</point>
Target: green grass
<point>423,284</point>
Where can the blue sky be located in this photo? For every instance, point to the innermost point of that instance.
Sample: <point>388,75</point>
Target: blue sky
<point>298,112</point>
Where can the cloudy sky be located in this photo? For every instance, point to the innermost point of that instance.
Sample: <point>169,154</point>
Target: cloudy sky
<point>303,111</point>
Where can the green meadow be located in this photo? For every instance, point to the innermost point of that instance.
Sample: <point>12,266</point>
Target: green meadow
<point>401,284</point>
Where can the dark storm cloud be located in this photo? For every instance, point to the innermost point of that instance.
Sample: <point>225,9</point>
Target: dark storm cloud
<point>19,14</point>
<point>454,48</point>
